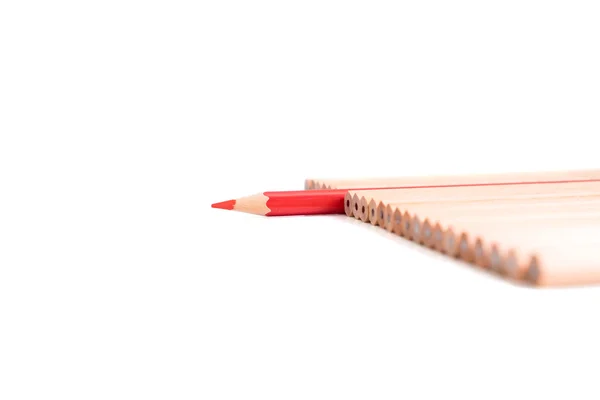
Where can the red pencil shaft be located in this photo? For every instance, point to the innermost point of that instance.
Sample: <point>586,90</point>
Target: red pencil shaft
<point>319,202</point>
<point>306,202</point>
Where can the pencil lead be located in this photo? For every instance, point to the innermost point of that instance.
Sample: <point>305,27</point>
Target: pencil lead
<point>225,205</point>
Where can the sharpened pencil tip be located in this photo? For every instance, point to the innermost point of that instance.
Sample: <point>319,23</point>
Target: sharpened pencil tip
<point>225,205</point>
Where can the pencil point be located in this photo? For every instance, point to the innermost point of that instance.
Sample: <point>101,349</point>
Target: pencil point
<point>225,205</point>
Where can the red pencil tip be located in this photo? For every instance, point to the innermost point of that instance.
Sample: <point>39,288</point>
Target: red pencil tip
<point>225,205</point>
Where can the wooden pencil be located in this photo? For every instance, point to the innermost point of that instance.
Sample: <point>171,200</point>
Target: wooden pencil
<point>300,202</point>
<point>431,180</point>
<point>372,212</point>
<point>553,266</point>
<point>386,218</point>
<point>397,222</point>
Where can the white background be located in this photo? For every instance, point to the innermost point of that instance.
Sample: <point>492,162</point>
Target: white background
<point>122,121</point>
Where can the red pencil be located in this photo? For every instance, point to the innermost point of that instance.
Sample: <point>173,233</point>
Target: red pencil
<point>300,202</point>
<point>319,202</point>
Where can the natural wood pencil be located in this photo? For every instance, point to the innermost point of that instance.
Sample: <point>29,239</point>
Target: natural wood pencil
<point>348,205</point>
<point>373,212</point>
<point>438,236</point>
<point>364,209</point>
<point>501,177</point>
<point>356,206</point>
<point>384,215</point>
<point>397,222</point>
<point>554,266</point>
<point>427,239</point>
<point>415,233</point>
<point>382,209</point>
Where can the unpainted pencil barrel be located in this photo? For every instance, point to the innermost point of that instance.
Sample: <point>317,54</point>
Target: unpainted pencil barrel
<point>348,204</point>
<point>372,210</point>
<point>355,206</point>
<point>397,222</point>
<point>364,209</point>
<point>554,266</point>
<point>491,178</point>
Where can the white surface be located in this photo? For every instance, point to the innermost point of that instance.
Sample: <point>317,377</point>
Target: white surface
<point>120,122</point>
